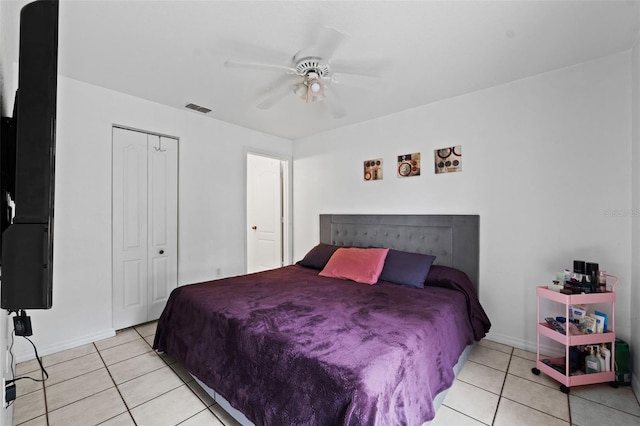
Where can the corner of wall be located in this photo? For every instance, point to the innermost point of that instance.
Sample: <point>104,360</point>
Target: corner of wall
<point>635,201</point>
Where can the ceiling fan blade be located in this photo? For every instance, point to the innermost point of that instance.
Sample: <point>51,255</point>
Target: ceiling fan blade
<point>363,81</point>
<point>372,67</point>
<point>329,39</point>
<point>333,105</point>
<point>279,90</point>
<point>259,66</point>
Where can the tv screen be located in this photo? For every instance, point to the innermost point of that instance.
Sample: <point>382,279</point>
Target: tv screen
<point>28,160</point>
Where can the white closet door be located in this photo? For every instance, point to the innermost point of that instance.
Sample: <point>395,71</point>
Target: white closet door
<point>129,228</point>
<point>145,225</point>
<point>163,219</point>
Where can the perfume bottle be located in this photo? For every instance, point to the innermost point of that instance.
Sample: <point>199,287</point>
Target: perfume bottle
<point>602,281</point>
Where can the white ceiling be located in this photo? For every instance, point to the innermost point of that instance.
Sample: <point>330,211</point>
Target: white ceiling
<point>172,52</point>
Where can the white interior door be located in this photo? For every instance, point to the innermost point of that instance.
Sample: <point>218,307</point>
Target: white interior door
<point>144,225</point>
<point>264,213</point>
<point>162,216</point>
<point>129,228</point>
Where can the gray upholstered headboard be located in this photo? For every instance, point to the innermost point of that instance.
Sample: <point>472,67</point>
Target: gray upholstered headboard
<point>453,239</point>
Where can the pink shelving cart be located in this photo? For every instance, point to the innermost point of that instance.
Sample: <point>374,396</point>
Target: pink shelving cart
<point>566,379</point>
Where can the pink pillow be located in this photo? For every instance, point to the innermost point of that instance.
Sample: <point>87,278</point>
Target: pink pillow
<point>356,264</point>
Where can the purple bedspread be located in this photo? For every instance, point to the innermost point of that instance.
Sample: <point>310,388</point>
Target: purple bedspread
<point>288,347</point>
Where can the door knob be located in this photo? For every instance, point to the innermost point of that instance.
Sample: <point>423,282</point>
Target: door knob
<point>254,227</point>
<point>161,252</point>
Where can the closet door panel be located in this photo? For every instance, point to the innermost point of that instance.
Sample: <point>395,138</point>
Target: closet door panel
<point>163,219</point>
<point>129,251</point>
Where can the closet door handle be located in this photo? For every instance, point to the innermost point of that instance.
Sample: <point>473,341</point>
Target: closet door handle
<point>161,252</point>
<point>254,227</point>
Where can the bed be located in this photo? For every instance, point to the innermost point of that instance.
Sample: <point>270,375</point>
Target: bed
<point>298,346</point>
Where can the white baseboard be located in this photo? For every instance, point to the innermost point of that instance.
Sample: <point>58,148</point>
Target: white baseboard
<point>28,354</point>
<point>557,350</point>
<point>510,341</point>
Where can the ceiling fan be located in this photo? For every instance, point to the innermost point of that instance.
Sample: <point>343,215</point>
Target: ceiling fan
<point>311,74</point>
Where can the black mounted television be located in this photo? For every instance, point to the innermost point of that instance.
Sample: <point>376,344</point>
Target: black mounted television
<point>27,160</point>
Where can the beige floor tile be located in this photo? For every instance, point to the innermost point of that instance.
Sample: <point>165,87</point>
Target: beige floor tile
<point>482,376</point>
<point>28,407</point>
<point>203,418</point>
<point>512,413</point>
<point>135,367</point>
<point>149,340</point>
<point>123,419</point>
<point>588,413</point>
<point>535,395</point>
<point>476,403</point>
<point>531,356</point>
<point>80,387</point>
<point>490,357</point>
<point>168,409</point>
<point>201,393</point>
<point>38,421</point>
<point>495,346</point>
<point>125,351</point>
<point>521,367</point>
<point>448,417</point>
<point>149,386</point>
<point>622,398</point>
<point>25,386</point>
<point>26,367</point>
<point>73,368</point>
<point>67,355</point>
<point>89,411</point>
<point>122,336</point>
<point>148,329</point>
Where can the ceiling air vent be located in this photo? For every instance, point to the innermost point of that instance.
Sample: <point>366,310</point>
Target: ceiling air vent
<point>198,108</point>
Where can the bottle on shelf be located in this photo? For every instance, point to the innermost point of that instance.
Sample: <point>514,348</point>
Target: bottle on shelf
<point>600,359</point>
<point>591,363</point>
<point>606,355</point>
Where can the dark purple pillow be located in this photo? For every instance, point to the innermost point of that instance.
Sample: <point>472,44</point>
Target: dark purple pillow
<point>410,269</point>
<point>318,256</point>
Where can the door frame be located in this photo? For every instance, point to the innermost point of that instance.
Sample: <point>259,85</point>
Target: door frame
<point>287,205</point>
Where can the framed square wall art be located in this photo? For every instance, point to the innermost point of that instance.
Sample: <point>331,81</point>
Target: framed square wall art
<point>448,160</point>
<point>409,165</point>
<point>373,169</point>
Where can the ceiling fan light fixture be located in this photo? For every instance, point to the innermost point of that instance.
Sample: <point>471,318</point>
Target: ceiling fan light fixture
<point>315,87</point>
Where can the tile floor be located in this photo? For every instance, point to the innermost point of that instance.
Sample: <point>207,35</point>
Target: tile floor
<point>122,381</point>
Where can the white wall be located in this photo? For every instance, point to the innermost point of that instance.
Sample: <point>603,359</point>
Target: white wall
<point>211,195</point>
<point>9,34</point>
<point>635,218</point>
<point>546,165</point>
